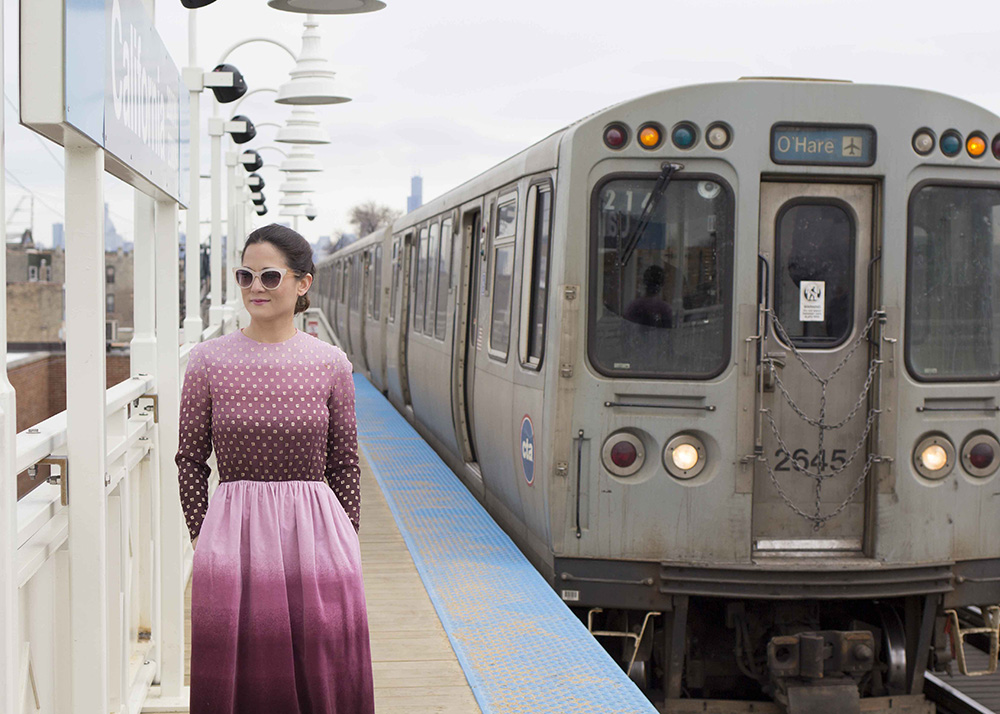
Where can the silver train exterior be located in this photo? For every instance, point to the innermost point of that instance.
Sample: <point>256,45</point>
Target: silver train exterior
<point>729,354</point>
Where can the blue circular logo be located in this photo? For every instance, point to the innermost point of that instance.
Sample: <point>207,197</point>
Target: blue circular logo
<point>528,449</point>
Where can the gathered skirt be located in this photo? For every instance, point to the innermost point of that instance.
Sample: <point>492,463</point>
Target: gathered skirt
<point>278,618</point>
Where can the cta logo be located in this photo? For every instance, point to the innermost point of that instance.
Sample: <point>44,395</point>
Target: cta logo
<point>528,449</point>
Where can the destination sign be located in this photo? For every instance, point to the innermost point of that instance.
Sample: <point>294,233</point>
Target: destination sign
<point>823,145</point>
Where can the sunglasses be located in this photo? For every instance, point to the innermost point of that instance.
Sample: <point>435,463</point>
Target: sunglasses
<point>270,278</point>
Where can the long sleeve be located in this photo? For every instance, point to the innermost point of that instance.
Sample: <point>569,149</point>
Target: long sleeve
<point>195,441</point>
<point>342,471</point>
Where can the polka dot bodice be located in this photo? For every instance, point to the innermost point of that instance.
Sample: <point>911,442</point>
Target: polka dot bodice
<point>273,412</point>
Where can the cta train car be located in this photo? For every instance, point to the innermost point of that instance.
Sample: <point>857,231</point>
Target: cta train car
<point>724,361</point>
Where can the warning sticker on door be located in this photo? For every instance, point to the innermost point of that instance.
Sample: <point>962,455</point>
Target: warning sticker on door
<point>812,301</point>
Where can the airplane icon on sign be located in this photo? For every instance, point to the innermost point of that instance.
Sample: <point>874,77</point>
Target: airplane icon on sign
<point>851,146</point>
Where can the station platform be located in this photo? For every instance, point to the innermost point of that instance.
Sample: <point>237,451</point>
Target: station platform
<point>460,622</point>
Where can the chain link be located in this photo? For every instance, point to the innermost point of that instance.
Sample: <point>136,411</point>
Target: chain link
<point>818,518</point>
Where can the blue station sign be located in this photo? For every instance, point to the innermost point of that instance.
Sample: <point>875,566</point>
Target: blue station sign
<point>823,145</point>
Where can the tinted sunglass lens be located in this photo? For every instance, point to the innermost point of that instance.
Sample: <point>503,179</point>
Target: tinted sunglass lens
<point>244,278</point>
<point>270,279</point>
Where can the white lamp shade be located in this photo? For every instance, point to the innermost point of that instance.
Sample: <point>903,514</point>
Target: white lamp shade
<point>301,160</point>
<point>302,127</point>
<point>294,199</point>
<point>297,183</point>
<point>312,78</point>
<point>327,7</point>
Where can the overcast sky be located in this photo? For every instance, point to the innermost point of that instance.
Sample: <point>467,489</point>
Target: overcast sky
<point>448,88</point>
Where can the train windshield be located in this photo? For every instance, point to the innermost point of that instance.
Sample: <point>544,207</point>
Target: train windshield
<point>953,286</point>
<point>662,308</point>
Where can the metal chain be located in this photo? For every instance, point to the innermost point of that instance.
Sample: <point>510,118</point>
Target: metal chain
<point>817,518</point>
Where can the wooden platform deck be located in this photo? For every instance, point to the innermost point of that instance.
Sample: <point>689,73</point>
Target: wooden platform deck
<point>415,668</point>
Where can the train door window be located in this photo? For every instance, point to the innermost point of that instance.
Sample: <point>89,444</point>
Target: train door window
<point>355,282</point>
<point>953,283</point>
<point>343,282</point>
<point>534,288</point>
<point>503,273</point>
<point>394,285</point>
<point>444,280</point>
<point>420,284</point>
<point>377,284</point>
<point>432,271</point>
<point>365,270</point>
<point>814,244</point>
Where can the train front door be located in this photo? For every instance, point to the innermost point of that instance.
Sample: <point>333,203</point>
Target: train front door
<point>816,379</point>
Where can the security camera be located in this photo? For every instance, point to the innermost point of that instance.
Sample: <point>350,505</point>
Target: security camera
<point>311,213</point>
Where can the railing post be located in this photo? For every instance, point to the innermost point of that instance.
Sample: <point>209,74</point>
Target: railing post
<point>86,444</point>
<point>8,478</point>
<point>216,312</point>
<point>168,387</point>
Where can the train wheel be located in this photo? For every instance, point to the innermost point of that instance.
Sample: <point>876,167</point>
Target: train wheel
<point>893,655</point>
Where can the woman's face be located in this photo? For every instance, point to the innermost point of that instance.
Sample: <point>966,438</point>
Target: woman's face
<point>265,304</point>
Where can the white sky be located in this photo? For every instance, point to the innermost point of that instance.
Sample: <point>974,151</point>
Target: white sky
<point>448,88</point>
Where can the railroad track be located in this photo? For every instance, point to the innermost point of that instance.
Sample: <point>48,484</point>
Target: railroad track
<point>967,695</point>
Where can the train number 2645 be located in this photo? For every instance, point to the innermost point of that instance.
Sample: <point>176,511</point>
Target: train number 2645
<point>817,461</point>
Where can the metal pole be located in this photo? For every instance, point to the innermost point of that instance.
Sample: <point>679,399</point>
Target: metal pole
<point>9,630</point>
<point>233,193</point>
<point>215,129</point>
<point>86,391</point>
<point>168,386</point>
<point>192,245</point>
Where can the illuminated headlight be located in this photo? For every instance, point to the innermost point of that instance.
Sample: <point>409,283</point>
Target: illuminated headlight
<point>980,455</point>
<point>934,457</point>
<point>623,454</point>
<point>684,456</point>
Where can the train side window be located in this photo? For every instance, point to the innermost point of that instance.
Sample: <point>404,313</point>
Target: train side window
<point>420,284</point>
<point>444,280</point>
<point>432,271</point>
<point>343,282</point>
<point>394,286</point>
<point>503,273</point>
<point>377,284</point>
<point>534,288</point>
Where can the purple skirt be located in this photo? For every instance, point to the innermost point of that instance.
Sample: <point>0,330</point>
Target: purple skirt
<point>278,619</point>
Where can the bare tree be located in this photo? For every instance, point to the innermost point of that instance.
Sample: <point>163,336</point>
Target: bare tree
<point>370,216</point>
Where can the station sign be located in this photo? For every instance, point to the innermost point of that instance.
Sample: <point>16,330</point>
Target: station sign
<point>823,145</point>
<point>97,71</point>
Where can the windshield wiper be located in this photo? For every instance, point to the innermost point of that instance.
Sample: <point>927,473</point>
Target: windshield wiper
<point>626,251</point>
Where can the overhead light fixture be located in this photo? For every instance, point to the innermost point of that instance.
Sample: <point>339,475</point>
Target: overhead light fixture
<point>302,127</point>
<point>257,198</point>
<point>296,211</point>
<point>301,159</point>
<point>261,210</point>
<point>297,183</point>
<point>255,181</point>
<point>327,7</point>
<point>242,137</point>
<point>312,80</point>
<point>225,95</point>
<point>294,199</point>
<point>251,160</point>
<point>311,212</point>
<point>193,4</point>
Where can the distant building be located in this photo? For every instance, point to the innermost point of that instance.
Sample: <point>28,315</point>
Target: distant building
<point>58,236</point>
<point>416,198</point>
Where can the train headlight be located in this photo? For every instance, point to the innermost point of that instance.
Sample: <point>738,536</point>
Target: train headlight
<point>684,456</point>
<point>995,146</point>
<point>979,455</point>
<point>934,457</point>
<point>718,136</point>
<point>923,141</point>
<point>623,453</point>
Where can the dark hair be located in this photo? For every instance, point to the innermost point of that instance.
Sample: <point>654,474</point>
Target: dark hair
<point>296,250</point>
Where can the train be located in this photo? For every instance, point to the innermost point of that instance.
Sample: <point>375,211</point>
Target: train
<point>724,362</point>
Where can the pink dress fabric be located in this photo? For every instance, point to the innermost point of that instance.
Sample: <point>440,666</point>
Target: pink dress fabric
<point>278,617</point>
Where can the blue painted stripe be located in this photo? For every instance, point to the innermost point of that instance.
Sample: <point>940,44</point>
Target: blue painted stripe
<point>521,648</point>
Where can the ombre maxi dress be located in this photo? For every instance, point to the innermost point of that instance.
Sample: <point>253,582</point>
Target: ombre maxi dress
<point>278,619</point>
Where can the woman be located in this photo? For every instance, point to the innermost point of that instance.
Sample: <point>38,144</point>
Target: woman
<point>278,619</point>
